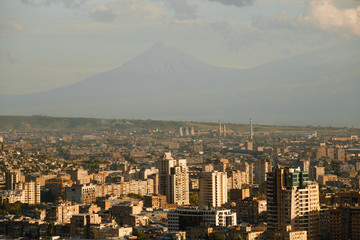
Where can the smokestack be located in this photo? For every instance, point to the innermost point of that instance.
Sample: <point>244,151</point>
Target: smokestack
<point>251,131</point>
<point>224,130</point>
<point>181,131</point>
<point>220,128</point>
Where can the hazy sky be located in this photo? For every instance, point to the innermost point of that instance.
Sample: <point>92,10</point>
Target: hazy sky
<point>51,43</point>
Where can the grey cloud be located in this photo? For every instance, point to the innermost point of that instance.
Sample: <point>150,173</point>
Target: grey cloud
<point>237,3</point>
<point>183,10</point>
<point>224,28</point>
<point>7,57</point>
<point>71,4</point>
<point>103,14</point>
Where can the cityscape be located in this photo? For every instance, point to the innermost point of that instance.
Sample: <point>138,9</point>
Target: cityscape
<point>180,119</point>
<point>180,180</point>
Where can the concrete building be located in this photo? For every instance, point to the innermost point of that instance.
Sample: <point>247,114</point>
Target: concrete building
<point>236,179</point>
<point>340,154</point>
<point>154,201</point>
<point>344,223</point>
<point>12,179</point>
<point>174,180</point>
<point>262,167</point>
<point>250,210</point>
<point>83,193</point>
<point>181,218</point>
<point>248,168</point>
<point>31,192</point>
<point>80,176</point>
<point>61,213</point>
<point>315,172</point>
<point>239,194</point>
<point>80,226</point>
<point>293,201</point>
<point>213,189</point>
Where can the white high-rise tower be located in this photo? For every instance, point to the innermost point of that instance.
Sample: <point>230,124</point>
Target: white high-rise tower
<point>174,179</point>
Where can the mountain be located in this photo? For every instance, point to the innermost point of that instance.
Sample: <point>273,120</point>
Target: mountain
<point>162,83</point>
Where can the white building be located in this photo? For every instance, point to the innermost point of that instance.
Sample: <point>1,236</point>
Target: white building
<point>213,189</point>
<point>174,180</point>
<point>181,218</point>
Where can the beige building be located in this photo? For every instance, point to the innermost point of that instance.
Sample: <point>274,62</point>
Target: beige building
<point>61,213</point>
<point>213,189</point>
<point>80,176</point>
<point>236,179</point>
<point>174,180</point>
<point>31,192</point>
<point>80,193</point>
<point>293,201</point>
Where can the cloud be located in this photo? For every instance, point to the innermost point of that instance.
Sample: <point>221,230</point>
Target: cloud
<point>183,10</point>
<point>7,57</point>
<point>103,13</point>
<point>6,28</point>
<point>324,15</point>
<point>71,4</point>
<point>114,11</point>
<point>237,3</point>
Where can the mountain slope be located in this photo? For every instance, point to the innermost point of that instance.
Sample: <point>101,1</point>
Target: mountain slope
<point>163,83</point>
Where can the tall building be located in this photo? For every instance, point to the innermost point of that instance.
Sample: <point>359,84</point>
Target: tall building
<point>292,201</point>
<point>174,179</point>
<point>12,179</point>
<point>262,167</point>
<point>344,223</point>
<point>213,189</point>
<point>248,168</point>
<point>32,192</point>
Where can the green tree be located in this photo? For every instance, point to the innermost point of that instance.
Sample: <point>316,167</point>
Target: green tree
<point>140,234</point>
<point>194,198</point>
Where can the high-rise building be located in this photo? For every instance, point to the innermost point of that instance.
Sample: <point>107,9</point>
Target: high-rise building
<point>213,189</point>
<point>12,179</point>
<point>262,167</point>
<point>344,223</point>
<point>292,201</point>
<point>174,179</point>
<point>340,154</point>
<point>248,168</point>
<point>316,172</point>
<point>32,192</point>
<point>236,179</point>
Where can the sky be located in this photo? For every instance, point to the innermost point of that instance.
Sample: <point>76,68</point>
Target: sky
<point>46,44</point>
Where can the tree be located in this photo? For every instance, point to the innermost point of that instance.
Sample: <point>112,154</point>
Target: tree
<point>194,198</point>
<point>140,234</point>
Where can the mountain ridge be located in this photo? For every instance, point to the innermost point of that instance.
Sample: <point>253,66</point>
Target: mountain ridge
<point>317,87</point>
